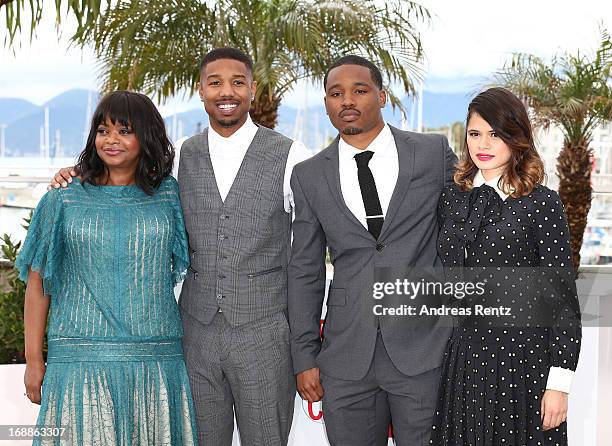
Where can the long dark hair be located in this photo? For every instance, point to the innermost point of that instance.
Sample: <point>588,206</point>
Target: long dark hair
<point>507,116</point>
<point>156,152</point>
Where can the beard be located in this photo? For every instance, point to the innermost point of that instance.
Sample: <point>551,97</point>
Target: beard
<point>228,122</point>
<point>352,130</point>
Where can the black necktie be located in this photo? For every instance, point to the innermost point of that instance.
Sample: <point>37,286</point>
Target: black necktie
<point>374,214</point>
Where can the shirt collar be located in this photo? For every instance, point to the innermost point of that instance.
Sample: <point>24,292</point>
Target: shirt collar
<point>241,137</point>
<point>380,145</point>
<point>479,180</point>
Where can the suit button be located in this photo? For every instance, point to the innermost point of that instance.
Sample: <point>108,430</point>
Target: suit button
<point>380,247</point>
<point>224,217</point>
<point>221,276</point>
<point>219,296</point>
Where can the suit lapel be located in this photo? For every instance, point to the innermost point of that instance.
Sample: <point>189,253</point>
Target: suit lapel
<point>332,175</point>
<point>405,152</point>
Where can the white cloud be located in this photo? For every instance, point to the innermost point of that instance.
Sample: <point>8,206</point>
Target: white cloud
<point>474,38</point>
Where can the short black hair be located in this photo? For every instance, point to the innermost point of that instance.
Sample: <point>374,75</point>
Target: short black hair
<point>227,53</point>
<point>138,112</point>
<point>353,59</point>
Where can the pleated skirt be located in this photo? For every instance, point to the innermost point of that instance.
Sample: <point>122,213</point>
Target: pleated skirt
<point>114,393</point>
<point>491,390</point>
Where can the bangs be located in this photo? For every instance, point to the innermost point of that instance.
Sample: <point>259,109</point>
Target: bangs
<point>114,108</point>
<point>136,111</point>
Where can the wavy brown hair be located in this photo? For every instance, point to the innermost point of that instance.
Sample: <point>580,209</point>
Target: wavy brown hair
<point>508,118</point>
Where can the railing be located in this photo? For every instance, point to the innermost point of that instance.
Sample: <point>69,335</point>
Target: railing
<point>20,179</point>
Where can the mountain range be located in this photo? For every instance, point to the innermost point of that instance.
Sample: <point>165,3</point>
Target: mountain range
<point>69,113</point>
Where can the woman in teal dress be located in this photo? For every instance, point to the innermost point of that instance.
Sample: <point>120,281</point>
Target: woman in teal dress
<point>101,258</point>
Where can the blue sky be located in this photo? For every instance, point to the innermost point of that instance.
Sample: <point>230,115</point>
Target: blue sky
<point>465,43</point>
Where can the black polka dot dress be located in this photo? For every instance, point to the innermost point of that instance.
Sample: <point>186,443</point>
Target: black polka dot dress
<point>494,375</point>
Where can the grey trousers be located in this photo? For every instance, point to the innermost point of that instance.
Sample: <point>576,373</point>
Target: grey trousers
<point>357,413</point>
<point>246,370</point>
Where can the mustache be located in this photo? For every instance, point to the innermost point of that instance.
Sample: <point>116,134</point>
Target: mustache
<point>344,111</point>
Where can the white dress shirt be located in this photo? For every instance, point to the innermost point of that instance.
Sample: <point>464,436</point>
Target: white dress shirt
<point>559,378</point>
<point>226,155</point>
<point>384,166</point>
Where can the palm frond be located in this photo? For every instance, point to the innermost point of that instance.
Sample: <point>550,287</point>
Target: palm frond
<point>85,11</point>
<point>155,46</point>
<point>573,90</point>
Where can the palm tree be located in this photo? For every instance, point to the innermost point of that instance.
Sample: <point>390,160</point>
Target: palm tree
<point>574,93</point>
<point>155,46</point>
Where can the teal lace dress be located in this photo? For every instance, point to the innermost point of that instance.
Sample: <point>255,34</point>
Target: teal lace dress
<point>109,257</point>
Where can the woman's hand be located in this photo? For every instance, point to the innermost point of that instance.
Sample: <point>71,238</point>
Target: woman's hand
<point>33,378</point>
<point>554,409</point>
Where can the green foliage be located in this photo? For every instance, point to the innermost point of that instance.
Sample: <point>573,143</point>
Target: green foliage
<point>573,91</point>
<point>11,308</point>
<point>12,298</point>
<point>16,11</point>
<point>155,47</point>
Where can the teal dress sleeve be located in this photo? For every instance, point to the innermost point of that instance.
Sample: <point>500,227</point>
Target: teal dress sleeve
<point>180,247</point>
<point>42,248</point>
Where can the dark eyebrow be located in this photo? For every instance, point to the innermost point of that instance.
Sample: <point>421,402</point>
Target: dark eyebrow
<point>356,84</point>
<point>234,76</point>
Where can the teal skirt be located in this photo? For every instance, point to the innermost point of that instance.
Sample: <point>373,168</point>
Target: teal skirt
<point>116,393</point>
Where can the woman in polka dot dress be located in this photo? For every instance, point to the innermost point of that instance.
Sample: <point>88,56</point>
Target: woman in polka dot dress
<point>506,384</point>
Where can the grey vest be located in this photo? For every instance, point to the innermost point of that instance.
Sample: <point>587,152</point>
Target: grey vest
<point>239,248</point>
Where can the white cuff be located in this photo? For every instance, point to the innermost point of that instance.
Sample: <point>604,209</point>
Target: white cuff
<point>560,379</point>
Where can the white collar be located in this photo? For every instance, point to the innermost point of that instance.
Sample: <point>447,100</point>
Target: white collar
<point>379,145</point>
<point>245,133</point>
<point>479,180</point>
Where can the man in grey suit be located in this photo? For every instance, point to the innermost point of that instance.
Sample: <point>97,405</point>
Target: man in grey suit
<point>370,198</point>
<point>237,202</point>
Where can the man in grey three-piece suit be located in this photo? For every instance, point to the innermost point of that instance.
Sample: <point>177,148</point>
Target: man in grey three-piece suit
<point>235,194</point>
<point>371,198</point>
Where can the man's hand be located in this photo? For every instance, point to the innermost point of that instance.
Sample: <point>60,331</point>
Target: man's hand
<point>554,409</point>
<point>33,378</point>
<point>62,178</point>
<point>309,385</point>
